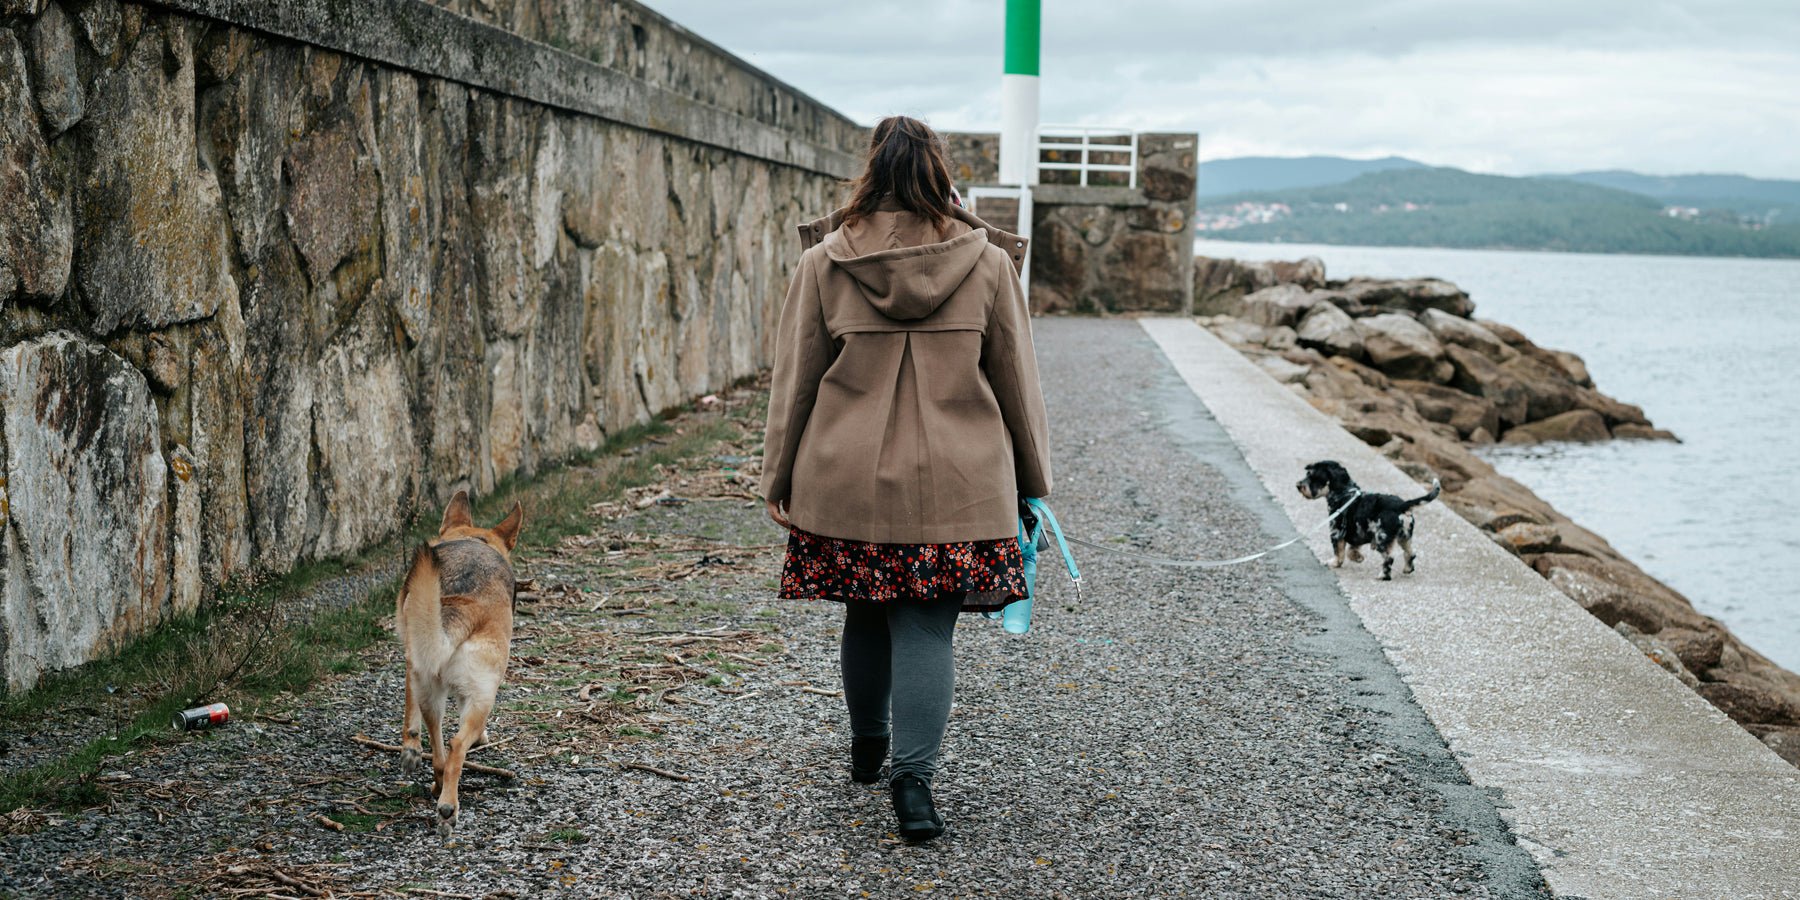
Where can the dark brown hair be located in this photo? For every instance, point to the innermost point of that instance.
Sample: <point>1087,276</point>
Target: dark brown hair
<point>906,162</point>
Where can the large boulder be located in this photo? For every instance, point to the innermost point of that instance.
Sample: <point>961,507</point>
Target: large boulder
<point>1236,331</point>
<point>1308,272</point>
<point>1548,392</point>
<point>332,198</point>
<point>1616,412</point>
<point>155,241</point>
<point>51,39</point>
<point>1658,651</point>
<point>1576,426</point>
<point>1751,699</point>
<point>1059,266</point>
<point>362,437</point>
<point>1330,330</point>
<point>1573,365</point>
<point>86,556</point>
<point>1653,605</point>
<point>1784,741</point>
<point>35,227</point>
<point>1219,283</point>
<point>1401,347</point>
<point>1464,412</point>
<point>1628,431</point>
<point>1527,537</point>
<point>1606,600</point>
<point>1412,295</point>
<point>1451,329</point>
<point>1699,648</point>
<point>1282,304</point>
<point>1283,370</point>
<point>1478,375</point>
<point>1513,337</point>
<point>1141,263</point>
<point>59,93</point>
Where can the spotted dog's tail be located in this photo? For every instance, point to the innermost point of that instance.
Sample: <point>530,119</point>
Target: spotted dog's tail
<point>1436,489</point>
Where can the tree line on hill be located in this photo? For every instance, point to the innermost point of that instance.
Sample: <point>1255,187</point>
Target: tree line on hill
<point>1443,207</point>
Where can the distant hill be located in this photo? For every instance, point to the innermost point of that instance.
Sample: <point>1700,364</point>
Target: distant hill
<point>1442,207</point>
<point>1220,177</point>
<point>1739,193</point>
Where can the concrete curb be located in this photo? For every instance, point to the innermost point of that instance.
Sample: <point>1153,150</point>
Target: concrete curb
<point>1619,780</point>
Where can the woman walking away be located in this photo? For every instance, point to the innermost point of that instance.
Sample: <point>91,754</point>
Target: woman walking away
<point>904,424</point>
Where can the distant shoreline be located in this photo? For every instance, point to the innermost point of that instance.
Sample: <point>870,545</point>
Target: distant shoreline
<point>1313,242</point>
<point>1406,204</point>
<point>1610,254</point>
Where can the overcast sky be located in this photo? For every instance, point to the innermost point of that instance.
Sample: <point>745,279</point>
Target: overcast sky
<point>1507,86</point>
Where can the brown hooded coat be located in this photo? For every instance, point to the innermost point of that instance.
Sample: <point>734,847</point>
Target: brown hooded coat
<point>905,406</point>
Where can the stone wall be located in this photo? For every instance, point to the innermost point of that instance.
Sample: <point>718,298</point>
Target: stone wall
<point>1105,249</point>
<point>260,300</point>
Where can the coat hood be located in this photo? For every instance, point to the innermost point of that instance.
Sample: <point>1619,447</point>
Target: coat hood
<point>905,267</point>
<point>863,256</point>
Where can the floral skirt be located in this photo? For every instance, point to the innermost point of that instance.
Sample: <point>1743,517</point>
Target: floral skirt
<point>988,574</point>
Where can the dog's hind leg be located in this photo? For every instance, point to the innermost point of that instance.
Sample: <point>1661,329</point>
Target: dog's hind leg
<point>1384,544</point>
<point>431,709</point>
<point>475,711</point>
<point>411,722</point>
<point>1406,548</point>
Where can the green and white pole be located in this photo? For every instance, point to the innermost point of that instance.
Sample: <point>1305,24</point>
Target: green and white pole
<point>1019,94</point>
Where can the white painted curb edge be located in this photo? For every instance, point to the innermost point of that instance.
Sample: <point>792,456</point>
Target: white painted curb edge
<point>1618,779</point>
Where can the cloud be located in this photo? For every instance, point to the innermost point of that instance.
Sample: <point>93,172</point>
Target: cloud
<point>1512,87</point>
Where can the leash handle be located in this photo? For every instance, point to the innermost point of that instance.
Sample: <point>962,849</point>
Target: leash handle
<point>1046,517</point>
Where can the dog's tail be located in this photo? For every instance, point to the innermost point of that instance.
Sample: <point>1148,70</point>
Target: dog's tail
<point>418,613</point>
<point>1436,489</point>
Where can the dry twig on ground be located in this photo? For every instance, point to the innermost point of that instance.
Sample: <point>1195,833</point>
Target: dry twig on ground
<point>495,771</point>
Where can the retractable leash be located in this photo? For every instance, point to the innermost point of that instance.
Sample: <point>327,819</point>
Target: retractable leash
<point>1016,617</point>
<point>1221,563</point>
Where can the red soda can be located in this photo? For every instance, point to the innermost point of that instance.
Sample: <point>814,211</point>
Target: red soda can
<point>202,717</point>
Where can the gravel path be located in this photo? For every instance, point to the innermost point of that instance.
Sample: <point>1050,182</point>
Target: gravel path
<point>1171,733</point>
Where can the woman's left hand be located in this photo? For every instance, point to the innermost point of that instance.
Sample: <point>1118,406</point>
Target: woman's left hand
<point>778,513</point>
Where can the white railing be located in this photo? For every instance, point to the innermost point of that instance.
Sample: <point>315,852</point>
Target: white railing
<point>1070,138</point>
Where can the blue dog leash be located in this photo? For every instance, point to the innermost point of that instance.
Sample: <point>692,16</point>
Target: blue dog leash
<point>1016,617</point>
<point>1221,563</point>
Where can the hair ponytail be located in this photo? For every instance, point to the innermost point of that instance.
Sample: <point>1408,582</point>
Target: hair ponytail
<point>907,163</point>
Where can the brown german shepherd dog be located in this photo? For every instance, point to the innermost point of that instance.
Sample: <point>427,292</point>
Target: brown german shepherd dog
<point>454,617</point>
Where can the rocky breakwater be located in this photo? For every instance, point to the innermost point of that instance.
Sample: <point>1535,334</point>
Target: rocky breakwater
<point>1407,367</point>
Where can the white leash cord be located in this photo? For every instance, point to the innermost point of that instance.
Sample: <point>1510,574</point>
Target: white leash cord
<point>1218,563</point>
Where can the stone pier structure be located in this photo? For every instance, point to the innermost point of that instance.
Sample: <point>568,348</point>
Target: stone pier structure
<point>275,275</point>
<point>1104,248</point>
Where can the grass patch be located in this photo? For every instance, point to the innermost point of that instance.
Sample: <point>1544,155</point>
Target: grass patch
<point>356,822</point>
<point>567,836</point>
<point>238,652</point>
<point>246,649</point>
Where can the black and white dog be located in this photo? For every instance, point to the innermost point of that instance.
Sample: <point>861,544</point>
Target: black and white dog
<point>1378,519</point>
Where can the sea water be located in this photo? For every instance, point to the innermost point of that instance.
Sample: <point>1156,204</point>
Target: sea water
<point>1710,348</point>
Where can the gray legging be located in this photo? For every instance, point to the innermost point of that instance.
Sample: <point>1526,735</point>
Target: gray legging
<point>898,653</point>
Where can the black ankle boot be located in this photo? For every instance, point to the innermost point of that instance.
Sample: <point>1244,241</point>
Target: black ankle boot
<point>866,756</point>
<point>918,819</point>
